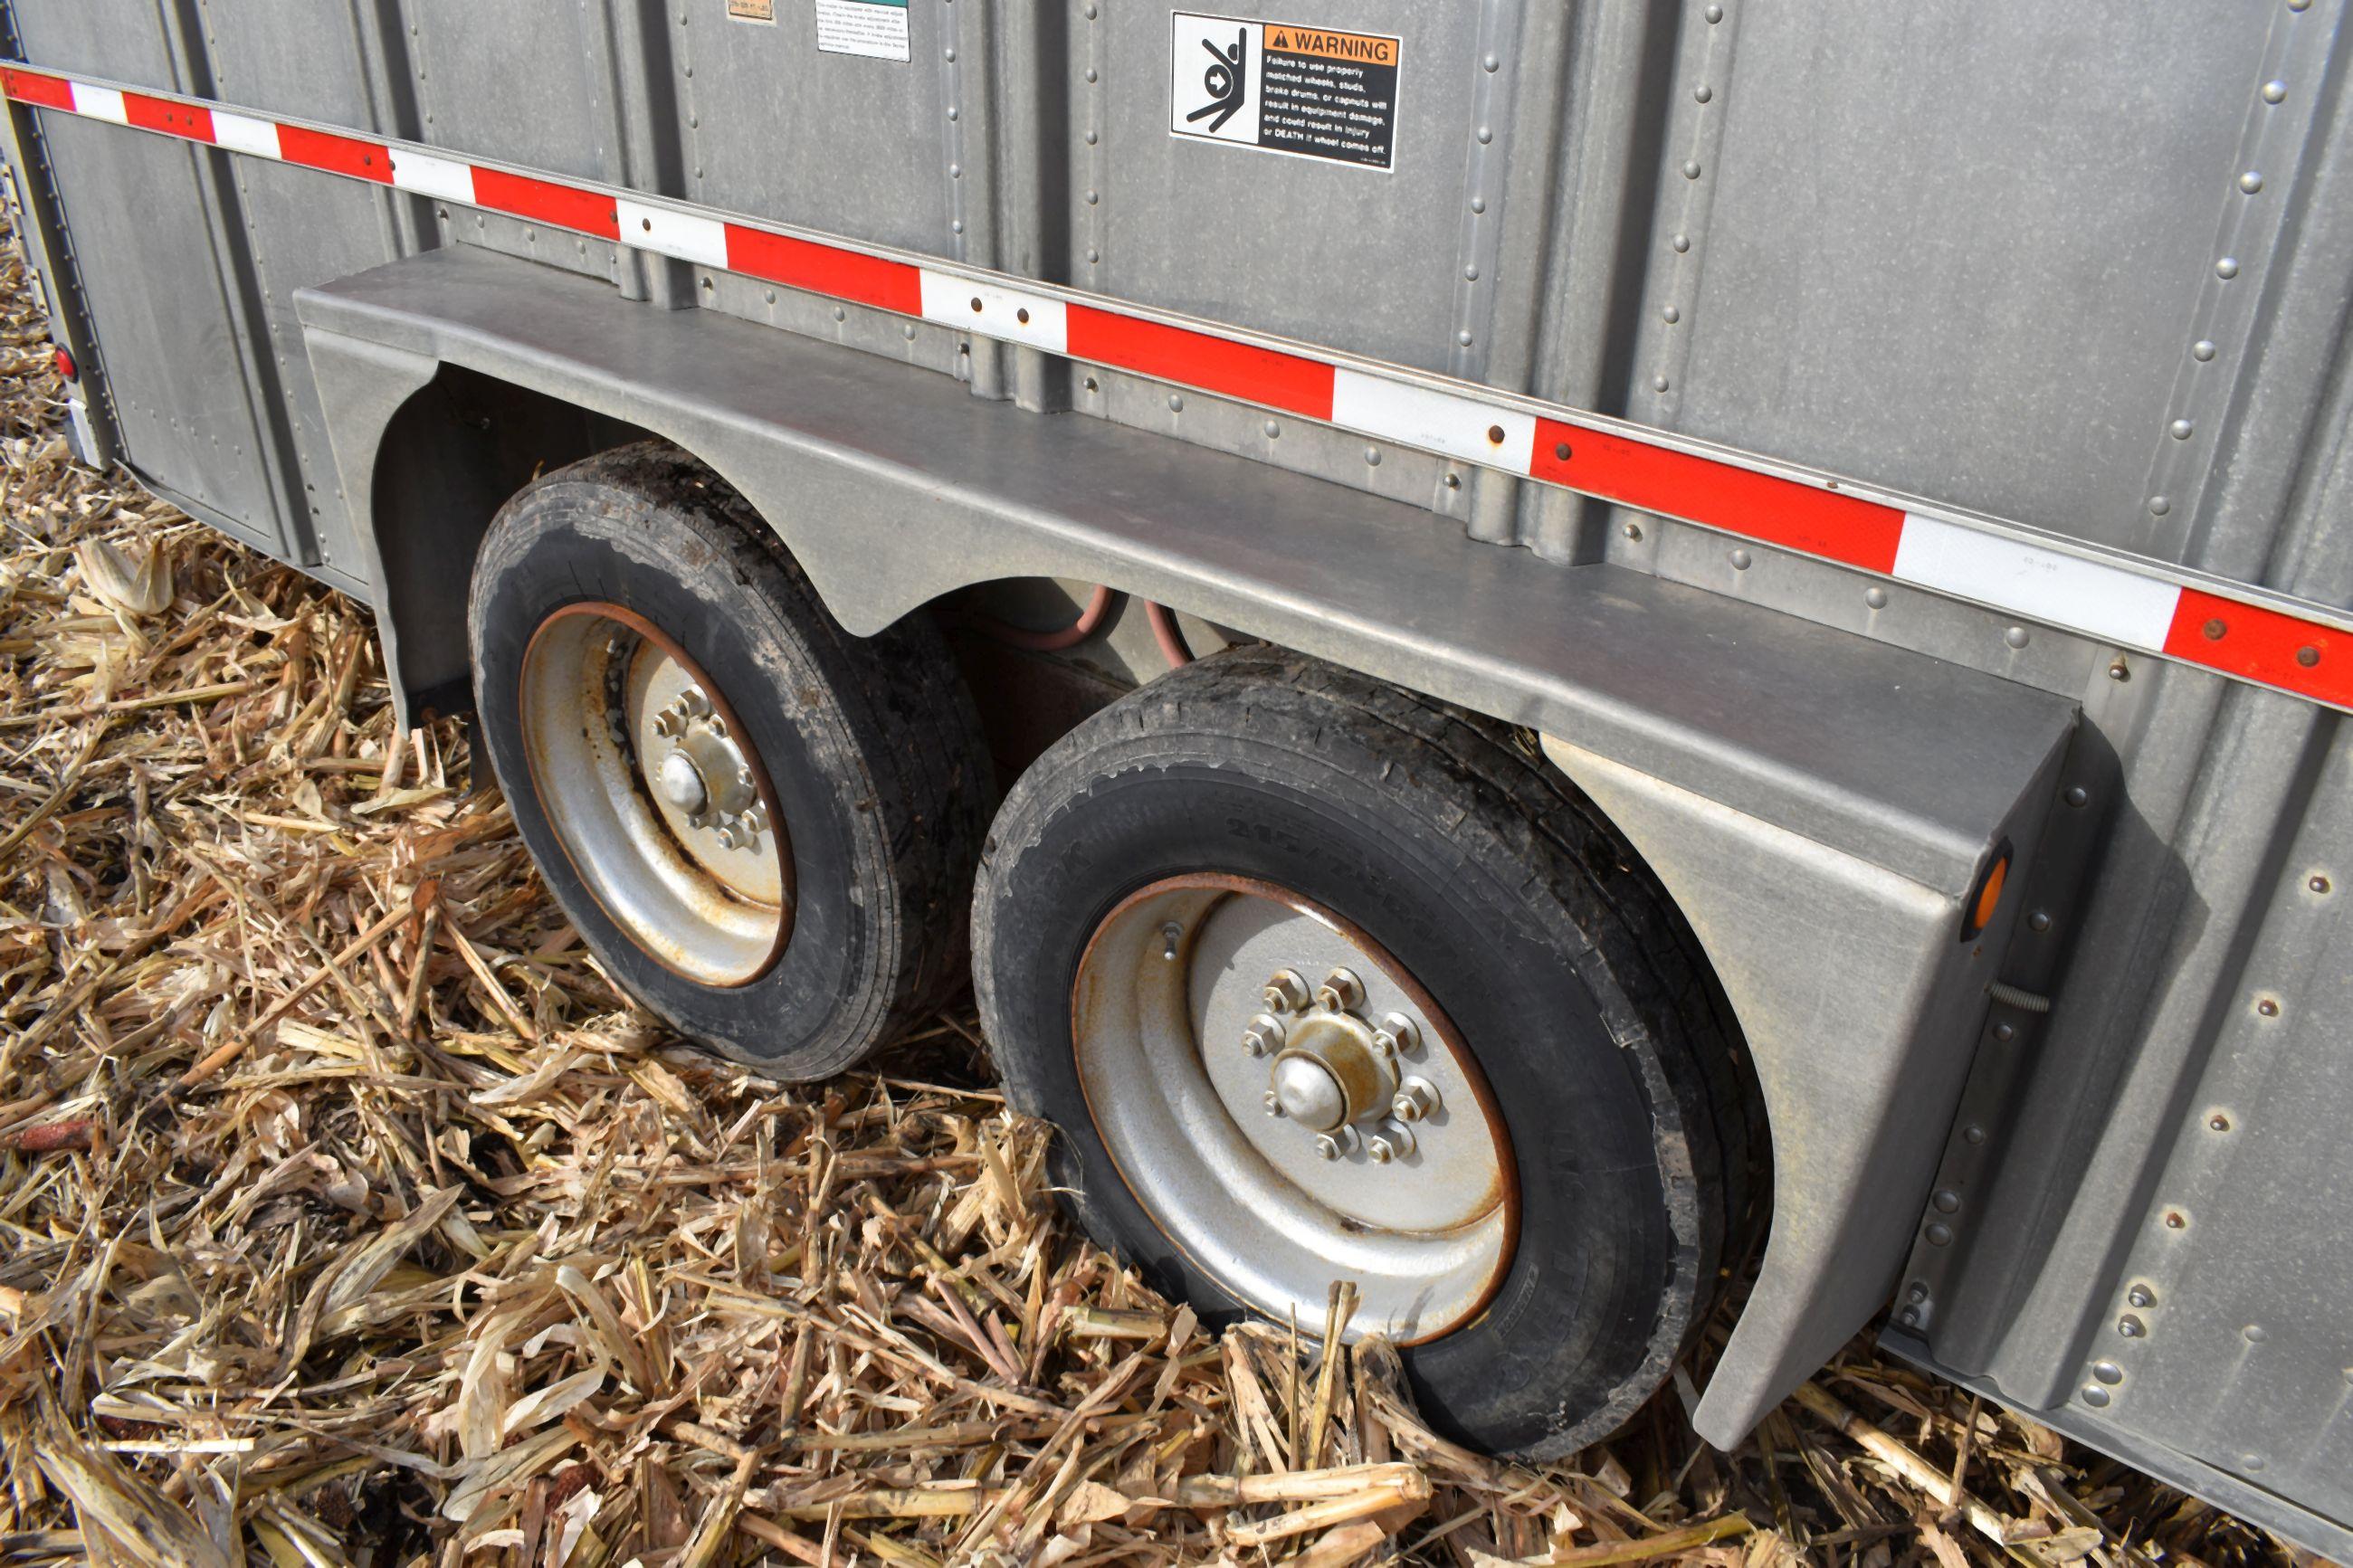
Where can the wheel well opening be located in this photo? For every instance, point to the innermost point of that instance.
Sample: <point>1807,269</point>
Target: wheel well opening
<point>1030,696</point>
<point>1040,655</point>
<point>449,459</point>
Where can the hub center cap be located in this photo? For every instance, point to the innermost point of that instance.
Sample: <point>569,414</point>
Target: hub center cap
<point>1308,1092</point>
<point>1333,1067</point>
<point>1331,1073</point>
<point>681,782</point>
<point>705,774</point>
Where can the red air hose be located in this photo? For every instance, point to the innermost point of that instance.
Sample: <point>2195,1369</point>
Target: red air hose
<point>1165,630</point>
<point>1090,621</point>
<point>1168,635</point>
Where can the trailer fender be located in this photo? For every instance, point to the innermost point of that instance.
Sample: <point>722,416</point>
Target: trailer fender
<point>1863,1010</point>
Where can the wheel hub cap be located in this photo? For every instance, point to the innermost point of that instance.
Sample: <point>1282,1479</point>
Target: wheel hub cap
<point>1291,1108</point>
<point>1307,1092</point>
<point>681,782</point>
<point>661,810</point>
<point>705,774</point>
<point>1332,1073</point>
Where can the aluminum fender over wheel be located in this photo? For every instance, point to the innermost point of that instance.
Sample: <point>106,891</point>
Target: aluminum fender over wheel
<point>1323,980</point>
<point>1861,1006</point>
<point>762,826</point>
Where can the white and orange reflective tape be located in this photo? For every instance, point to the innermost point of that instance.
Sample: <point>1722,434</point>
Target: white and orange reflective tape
<point>2151,606</point>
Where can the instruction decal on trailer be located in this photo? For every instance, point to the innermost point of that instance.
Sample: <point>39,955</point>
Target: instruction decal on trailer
<point>1312,92</point>
<point>876,29</point>
<point>752,10</point>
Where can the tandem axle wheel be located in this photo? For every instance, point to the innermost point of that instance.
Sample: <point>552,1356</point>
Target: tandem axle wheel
<point>1322,980</point>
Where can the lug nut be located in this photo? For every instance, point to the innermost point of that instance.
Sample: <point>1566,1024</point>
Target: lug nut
<point>1398,1034</point>
<point>1393,1142</point>
<point>1264,1033</point>
<point>1332,1145</point>
<point>1416,1098</point>
<point>1272,1102</point>
<point>1286,992</point>
<point>1340,992</point>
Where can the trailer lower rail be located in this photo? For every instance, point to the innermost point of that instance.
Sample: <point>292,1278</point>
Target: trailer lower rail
<point>2316,1533</point>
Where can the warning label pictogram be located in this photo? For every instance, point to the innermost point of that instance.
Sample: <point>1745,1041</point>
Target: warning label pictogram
<point>1312,92</point>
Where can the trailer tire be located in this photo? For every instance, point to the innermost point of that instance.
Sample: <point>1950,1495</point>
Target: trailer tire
<point>1453,859</point>
<point>864,752</point>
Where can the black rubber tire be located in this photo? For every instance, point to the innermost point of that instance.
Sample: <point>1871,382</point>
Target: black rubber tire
<point>1530,922</point>
<point>871,746</point>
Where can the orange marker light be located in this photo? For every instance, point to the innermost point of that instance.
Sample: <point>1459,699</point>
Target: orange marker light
<point>1989,895</point>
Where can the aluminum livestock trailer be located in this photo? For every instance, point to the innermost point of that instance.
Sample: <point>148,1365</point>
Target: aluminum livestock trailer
<point>1769,584</point>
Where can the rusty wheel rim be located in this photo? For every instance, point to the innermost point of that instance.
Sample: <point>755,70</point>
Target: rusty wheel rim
<point>656,794</point>
<point>1181,1049</point>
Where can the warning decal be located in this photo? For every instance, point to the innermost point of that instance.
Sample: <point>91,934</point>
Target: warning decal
<point>874,28</point>
<point>1312,92</point>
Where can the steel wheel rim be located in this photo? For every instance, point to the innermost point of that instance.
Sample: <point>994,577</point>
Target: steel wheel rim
<point>620,728</point>
<point>1176,1097</point>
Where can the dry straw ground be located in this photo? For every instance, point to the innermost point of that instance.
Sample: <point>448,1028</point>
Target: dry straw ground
<point>347,1215</point>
